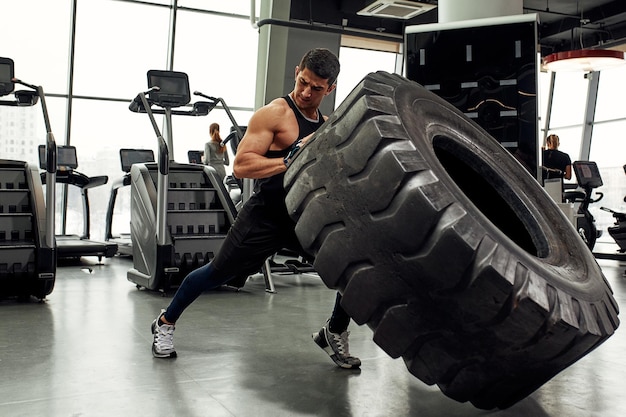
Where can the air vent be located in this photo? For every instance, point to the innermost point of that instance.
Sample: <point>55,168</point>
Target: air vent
<point>397,9</point>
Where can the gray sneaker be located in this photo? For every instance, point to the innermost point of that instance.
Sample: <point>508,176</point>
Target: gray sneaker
<point>163,342</point>
<point>336,345</point>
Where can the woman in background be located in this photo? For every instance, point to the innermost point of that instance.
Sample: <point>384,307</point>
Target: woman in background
<point>215,154</point>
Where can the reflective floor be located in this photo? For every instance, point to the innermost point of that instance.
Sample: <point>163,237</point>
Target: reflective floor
<point>86,352</point>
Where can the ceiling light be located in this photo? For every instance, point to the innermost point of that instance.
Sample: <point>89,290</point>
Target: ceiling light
<point>583,60</point>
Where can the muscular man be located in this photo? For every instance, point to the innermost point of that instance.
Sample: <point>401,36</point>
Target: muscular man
<point>275,133</point>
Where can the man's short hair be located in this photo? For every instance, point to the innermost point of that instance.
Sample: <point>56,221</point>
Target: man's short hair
<point>323,63</point>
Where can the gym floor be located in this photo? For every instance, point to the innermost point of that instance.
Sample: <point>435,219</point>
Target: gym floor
<point>86,352</point>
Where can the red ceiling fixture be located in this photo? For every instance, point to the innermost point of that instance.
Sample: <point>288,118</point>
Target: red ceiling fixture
<point>583,60</point>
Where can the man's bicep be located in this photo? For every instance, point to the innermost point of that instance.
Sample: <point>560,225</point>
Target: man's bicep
<point>258,137</point>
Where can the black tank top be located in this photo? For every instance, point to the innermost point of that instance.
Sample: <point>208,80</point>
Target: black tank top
<point>271,189</point>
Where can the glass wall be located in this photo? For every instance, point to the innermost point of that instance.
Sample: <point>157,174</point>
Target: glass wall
<point>38,45</point>
<point>607,150</point>
<point>91,75</point>
<point>215,68</point>
<point>608,144</point>
<point>116,43</point>
<point>92,70</point>
<point>568,110</point>
<point>38,41</point>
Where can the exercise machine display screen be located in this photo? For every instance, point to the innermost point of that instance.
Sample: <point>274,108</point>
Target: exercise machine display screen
<point>195,157</point>
<point>128,157</point>
<point>6,76</point>
<point>173,88</point>
<point>66,157</point>
<point>587,174</point>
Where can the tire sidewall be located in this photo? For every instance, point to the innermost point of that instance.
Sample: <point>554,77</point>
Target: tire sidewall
<point>568,262</point>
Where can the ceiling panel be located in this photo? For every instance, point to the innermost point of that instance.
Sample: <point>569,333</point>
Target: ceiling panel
<point>564,24</point>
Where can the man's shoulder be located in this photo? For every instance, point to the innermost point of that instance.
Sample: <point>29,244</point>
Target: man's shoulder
<point>278,103</point>
<point>277,108</point>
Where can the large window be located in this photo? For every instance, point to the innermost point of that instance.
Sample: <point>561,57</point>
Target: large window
<point>356,63</point>
<point>115,44</point>
<point>38,45</point>
<point>607,146</point>
<point>38,41</point>
<point>570,102</point>
<point>217,69</point>
<point>117,41</point>
<point>568,110</point>
<point>241,7</point>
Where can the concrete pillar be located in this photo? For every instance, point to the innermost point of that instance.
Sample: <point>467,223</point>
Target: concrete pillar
<point>272,52</point>
<point>280,49</point>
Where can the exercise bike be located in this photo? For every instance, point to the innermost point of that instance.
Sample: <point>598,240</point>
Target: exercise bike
<point>588,178</point>
<point>618,230</point>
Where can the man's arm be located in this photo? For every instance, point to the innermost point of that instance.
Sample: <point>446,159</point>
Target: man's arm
<point>250,160</point>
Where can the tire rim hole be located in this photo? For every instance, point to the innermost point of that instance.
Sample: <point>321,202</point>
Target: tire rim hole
<point>490,194</point>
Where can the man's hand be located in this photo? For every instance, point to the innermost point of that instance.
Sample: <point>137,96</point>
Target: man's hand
<point>305,139</point>
<point>293,150</point>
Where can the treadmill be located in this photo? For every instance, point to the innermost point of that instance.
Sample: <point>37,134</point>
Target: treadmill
<point>75,246</point>
<point>128,157</point>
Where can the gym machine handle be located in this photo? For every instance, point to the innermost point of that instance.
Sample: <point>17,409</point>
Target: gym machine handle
<point>139,104</point>
<point>200,108</point>
<point>26,98</point>
<point>163,164</point>
<point>227,109</point>
<point>142,101</point>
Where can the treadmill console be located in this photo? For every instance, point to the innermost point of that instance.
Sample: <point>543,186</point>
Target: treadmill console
<point>173,88</point>
<point>128,157</point>
<point>587,174</point>
<point>66,157</point>
<point>195,157</point>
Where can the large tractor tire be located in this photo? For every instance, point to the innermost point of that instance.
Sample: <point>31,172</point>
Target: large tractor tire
<point>443,244</point>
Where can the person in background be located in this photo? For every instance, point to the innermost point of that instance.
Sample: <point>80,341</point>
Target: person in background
<point>215,154</point>
<point>556,164</point>
<point>275,133</point>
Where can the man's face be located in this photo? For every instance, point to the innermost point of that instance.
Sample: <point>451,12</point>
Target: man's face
<point>310,89</point>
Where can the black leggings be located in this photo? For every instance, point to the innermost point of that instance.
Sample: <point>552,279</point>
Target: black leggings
<point>258,232</point>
